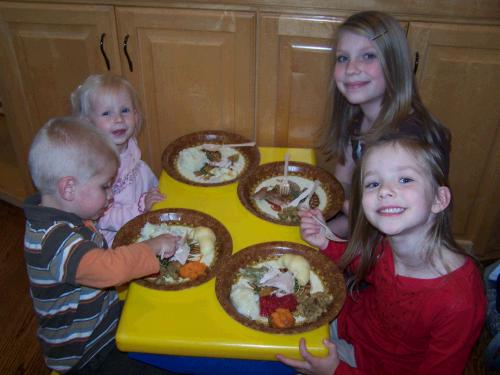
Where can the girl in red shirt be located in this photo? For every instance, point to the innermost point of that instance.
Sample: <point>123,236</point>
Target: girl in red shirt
<point>416,303</point>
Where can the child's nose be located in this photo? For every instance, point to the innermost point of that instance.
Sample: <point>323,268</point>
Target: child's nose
<point>385,191</point>
<point>352,67</point>
<point>118,117</point>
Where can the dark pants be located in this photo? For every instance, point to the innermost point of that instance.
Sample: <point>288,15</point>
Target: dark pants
<point>111,361</point>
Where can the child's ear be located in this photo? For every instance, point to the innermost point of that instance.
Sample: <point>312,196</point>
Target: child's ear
<point>66,187</point>
<point>442,199</point>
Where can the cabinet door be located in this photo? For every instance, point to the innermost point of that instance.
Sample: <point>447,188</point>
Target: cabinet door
<point>295,74</point>
<point>45,52</point>
<point>194,70</point>
<point>459,77</point>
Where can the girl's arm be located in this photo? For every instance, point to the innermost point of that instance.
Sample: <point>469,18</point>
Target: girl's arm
<point>151,197</point>
<point>340,224</point>
<point>452,341</point>
<point>310,229</point>
<point>335,250</point>
<point>343,173</point>
<point>312,232</point>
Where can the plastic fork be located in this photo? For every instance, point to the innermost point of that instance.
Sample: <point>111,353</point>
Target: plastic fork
<point>304,196</point>
<point>297,200</point>
<point>328,233</point>
<point>216,147</point>
<point>306,205</point>
<point>284,184</point>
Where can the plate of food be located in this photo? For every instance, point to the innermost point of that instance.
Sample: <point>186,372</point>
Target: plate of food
<point>280,287</point>
<point>210,158</point>
<point>204,247</point>
<point>309,186</point>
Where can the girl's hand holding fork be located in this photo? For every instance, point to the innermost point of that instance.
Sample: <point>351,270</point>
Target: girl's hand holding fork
<point>310,230</point>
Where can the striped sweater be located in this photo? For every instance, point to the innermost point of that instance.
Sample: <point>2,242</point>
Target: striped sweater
<point>75,322</point>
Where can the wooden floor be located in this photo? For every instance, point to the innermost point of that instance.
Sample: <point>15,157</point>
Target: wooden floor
<point>20,351</point>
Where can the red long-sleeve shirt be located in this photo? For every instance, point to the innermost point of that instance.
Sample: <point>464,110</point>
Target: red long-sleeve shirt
<point>403,325</point>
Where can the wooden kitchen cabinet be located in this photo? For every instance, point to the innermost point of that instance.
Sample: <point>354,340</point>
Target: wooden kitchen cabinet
<point>261,68</point>
<point>194,69</point>
<point>45,52</point>
<point>459,80</point>
<point>295,69</point>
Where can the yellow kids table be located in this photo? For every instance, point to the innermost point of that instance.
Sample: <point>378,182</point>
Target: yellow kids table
<point>190,322</point>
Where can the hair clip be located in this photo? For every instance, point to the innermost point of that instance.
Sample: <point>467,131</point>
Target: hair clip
<point>379,35</point>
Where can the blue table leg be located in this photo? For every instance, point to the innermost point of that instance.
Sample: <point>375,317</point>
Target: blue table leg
<point>213,366</point>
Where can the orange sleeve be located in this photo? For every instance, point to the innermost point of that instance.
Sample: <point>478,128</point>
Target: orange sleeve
<point>101,268</point>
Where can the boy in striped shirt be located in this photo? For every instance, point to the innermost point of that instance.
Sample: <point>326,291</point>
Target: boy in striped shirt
<point>71,273</point>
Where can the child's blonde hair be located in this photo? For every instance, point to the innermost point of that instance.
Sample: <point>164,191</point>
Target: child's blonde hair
<point>68,146</point>
<point>400,97</point>
<point>107,84</point>
<point>364,237</point>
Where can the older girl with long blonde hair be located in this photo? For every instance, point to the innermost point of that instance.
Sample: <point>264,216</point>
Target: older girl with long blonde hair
<point>374,92</point>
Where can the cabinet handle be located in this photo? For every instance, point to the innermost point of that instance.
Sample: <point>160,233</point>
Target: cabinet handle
<point>415,65</point>
<point>101,44</point>
<point>125,43</point>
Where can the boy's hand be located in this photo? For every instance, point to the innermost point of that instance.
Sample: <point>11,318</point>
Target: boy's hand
<point>312,365</point>
<point>163,245</point>
<point>151,197</point>
<point>310,230</point>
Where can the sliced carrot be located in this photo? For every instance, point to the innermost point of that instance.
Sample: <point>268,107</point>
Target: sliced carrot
<point>282,318</point>
<point>192,270</point>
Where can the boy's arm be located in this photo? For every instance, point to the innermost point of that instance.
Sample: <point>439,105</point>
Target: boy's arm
<point>101,268</point>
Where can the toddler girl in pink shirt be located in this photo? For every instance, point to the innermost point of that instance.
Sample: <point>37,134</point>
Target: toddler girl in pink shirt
<point>111,103</point>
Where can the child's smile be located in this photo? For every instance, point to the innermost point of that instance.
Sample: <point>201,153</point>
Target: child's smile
<point>391,211</point>
<point>119,132</point>
<point>355,85</point>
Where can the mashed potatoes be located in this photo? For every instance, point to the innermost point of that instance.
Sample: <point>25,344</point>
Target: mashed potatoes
<point>191,159</point>
<point>245,300</point>
<point>193,162</point>
<point>154,230</point>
